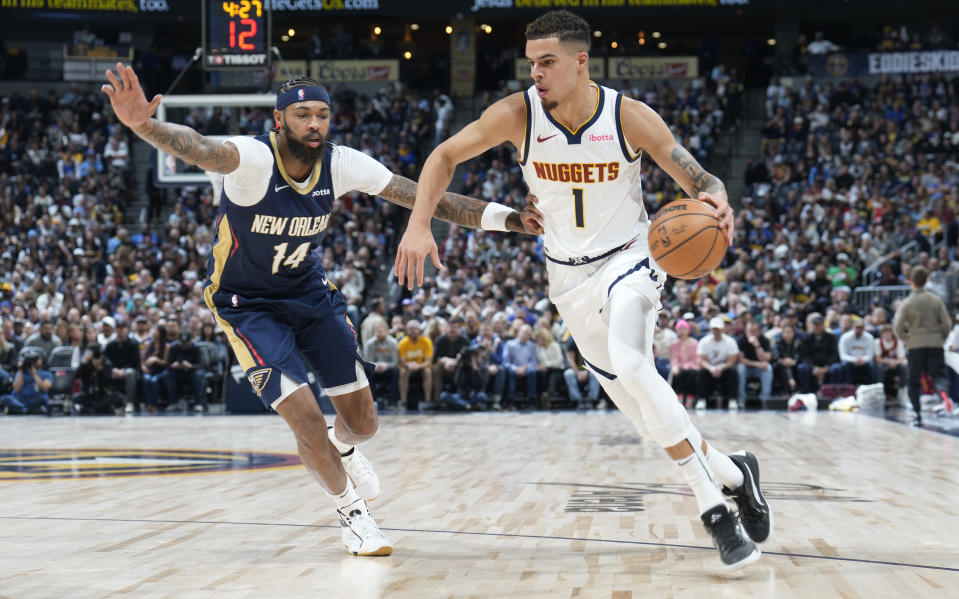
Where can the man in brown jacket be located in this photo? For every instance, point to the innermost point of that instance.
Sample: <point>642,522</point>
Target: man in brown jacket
<point>923,322</point>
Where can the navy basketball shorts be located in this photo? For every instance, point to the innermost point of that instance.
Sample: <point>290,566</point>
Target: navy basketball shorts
<point>272,337</point>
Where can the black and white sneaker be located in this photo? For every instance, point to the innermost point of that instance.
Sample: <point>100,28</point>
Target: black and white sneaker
<point>754,511</point>
<point>735,548</point>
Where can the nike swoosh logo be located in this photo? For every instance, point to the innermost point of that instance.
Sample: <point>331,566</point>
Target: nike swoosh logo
<point>686,461</point>
<point>279,187</point>
<point>752,483</point>
<point>542,139</point>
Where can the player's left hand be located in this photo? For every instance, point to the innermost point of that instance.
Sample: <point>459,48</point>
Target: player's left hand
<point>724,212</point>
<point>531,216</point>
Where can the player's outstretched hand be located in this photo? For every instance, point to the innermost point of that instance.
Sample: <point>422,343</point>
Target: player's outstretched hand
<point>127,97</point>
<point>417,243</point>
<point>724,212</point>
<point>531,216</point>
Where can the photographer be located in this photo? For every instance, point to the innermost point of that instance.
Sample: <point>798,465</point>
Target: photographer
<point>469,380</point>
<point>96,394</point>
<point>30,384</point>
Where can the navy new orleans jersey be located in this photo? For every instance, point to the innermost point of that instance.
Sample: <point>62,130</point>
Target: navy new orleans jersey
<point>267,249</point>
<point>266,288</point>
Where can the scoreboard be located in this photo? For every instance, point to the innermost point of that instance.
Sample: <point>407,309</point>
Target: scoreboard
<point>236,34</point>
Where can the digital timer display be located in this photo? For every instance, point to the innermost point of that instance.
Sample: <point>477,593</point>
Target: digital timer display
<point>237,34</point>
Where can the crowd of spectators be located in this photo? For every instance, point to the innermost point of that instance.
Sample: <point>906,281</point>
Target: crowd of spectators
<point>847,175</point>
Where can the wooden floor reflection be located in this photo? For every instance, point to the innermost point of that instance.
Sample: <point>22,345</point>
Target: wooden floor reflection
<point>479,505</point>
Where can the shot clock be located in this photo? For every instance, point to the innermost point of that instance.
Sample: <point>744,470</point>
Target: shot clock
<point>236,34</point>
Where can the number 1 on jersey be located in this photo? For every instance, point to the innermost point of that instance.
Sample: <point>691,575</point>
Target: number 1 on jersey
<point>578,208</point>
<point>293,260</point>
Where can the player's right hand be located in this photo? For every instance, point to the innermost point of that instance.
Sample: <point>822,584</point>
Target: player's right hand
<point>417,243</point>
<point>127,97</point>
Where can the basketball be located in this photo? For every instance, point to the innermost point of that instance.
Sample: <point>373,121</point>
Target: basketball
<point>686,239</point>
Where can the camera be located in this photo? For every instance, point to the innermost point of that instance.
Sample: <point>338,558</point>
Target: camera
<point>30,358</point>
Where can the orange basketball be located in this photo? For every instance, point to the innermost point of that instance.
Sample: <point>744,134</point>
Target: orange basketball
<point>686,240</point>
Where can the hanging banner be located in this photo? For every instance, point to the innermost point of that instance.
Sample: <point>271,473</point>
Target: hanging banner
<point>658,67</point>
<point>597,69</point>
<point>327,71</point>
<point>849,64</point>
<point>463,58</point>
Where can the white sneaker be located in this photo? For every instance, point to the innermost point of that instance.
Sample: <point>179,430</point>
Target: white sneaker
<point>128,409</point>
<point>360,471</point>
<point>733,404</point>
<point>360,533</point>
<point>700,404</point>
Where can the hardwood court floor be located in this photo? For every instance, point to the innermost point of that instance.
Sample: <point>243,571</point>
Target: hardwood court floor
<point>480,505</point>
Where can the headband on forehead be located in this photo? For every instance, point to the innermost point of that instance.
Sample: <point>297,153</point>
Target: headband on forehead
<point>301,94</point>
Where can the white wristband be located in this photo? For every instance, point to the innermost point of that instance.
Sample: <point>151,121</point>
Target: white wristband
<point>494,217</point>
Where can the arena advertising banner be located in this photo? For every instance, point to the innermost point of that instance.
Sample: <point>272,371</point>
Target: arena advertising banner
<point>598,5</point>
<point>129,7</point>
<point>848,64</point>
<point>653,67</point>
<point>463,58</point>
<point>597,68</point>
<point>343,71</point>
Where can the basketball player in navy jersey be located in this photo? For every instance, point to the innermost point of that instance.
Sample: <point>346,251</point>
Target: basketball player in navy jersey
<point>267,289</point>
<point>579,146</point>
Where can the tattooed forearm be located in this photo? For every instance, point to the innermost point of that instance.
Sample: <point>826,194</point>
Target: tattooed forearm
<point>453,207</point>
<point>701,180</point>
<point>189,146</point>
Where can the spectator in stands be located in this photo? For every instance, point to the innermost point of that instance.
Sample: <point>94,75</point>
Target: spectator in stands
<point>663,339</point>
<point>186,368</point>
<point>107,332</point>
<point>923,322</point>
<point>857,351</point>
<point>755,360</point>
<point>124,353</point>
<point>446,351</point>
<point>820,45</point>
<point>891,362</point>
<point>492,360</point>
<point>44,339</point>
<point>818,357</point>
<point>550,363</point>
<point>416,357</point>
<point>154,367</point>
<point>576,375</point>
<point>96,394</point>
<point>381,350</point>
<point>519,361</point>
<point>684,364</point>
<point>469,381</point>
<point>373,320</point>
<point>31,384</point>
<point>718,355</point>
<point>786,354</point>
<point>10,345</point>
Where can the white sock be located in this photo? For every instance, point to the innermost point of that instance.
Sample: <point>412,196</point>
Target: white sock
<point>347,497</point>
<point>340,446</point>
<point>724,468</point>
<point>700,480</point>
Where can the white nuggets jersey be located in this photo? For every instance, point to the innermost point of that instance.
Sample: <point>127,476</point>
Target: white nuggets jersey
<point>587,180</point>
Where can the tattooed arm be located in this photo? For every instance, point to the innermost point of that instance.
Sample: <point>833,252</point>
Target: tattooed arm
<point>189,146</point>
<point>646,130</point>
<point>132,109</point>
<point>453,207</point>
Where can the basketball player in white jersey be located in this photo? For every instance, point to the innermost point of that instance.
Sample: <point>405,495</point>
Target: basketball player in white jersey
<point>275,304</point>
<point>579,145</point>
